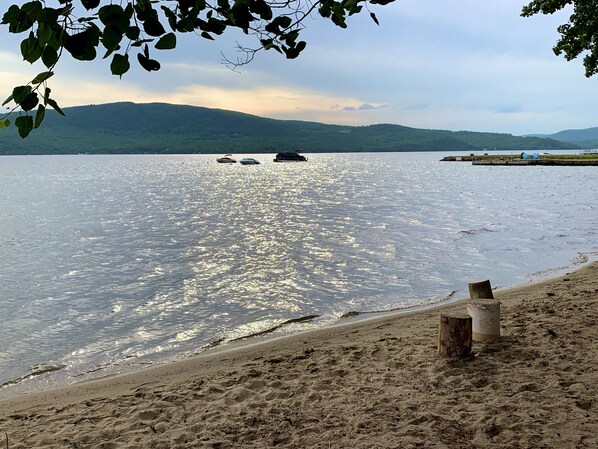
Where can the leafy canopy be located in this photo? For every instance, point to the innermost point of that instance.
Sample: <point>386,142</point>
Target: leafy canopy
<point>579,35</point>
<point>119,29</point>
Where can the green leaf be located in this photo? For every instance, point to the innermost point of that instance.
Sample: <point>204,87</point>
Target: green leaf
<point>8,100</point>
<point>301,46</point>
<point>374,18</point>
<point>90,4</point>
<point>133,32</point>
<point>82,45</point>
<point>114,15</point>
<point>148,64</point>
<point>41,77</point>
<point>291,38</point>
<point>339,20</point>
<point>166,42</point>
<point>325,10</point>
<point>39,116</point>
<point>293,52</point>
<point>186,25</point>
<point>153,27</point>
<point>356,10</point>
<point>47,95</point>
<point>24,124</point>
<point>44,33</point>
<point>20,92</point>
<point>111,37</point>
<point>49,16</point>
<point>30,49</point>
<point>278,23</point>
<point>86,19</point>
<point>262,8</point>
<point>143,9</point>
<point>285,21</point>
<point>49,56</point>
<point>33,9</point>
<point>350,4</point>
<point>214,26</point>
<point>17,20</point>
<point>120,64</point>
<point>29,102</point>
<point>139,43</point>
<point>11,15</point>
<point>6,123</point>
<point>55,106</point>
<point>207,35</point>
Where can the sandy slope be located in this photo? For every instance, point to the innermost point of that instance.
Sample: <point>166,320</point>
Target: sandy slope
<point>375,384</point>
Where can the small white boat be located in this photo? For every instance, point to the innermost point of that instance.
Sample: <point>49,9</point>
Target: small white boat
<point>249,161</point>
<point>226,159</point>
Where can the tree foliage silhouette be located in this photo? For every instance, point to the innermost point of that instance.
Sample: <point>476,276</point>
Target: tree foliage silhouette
<point>137,29</point>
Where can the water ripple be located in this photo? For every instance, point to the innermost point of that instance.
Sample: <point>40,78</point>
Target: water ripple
<point>114,262</point>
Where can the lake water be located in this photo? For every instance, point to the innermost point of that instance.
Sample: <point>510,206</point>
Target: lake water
<point>110,263</point>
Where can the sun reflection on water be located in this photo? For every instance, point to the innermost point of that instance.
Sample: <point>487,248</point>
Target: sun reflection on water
<point>117,260</point>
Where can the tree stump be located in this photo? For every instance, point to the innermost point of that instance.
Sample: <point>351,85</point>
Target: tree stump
<point>454,336</point>
<point>480,289</point>
<point>485,315</point>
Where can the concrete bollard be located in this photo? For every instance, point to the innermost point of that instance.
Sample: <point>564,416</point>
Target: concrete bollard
<point>485,315</point>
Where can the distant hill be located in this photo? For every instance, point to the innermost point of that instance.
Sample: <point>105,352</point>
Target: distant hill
<point>583,138</point>
<point>120,128</point>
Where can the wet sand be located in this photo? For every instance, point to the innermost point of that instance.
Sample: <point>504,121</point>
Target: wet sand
<point>372,384</point>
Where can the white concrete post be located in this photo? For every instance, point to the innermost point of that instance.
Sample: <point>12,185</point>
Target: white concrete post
<point>485,315</point>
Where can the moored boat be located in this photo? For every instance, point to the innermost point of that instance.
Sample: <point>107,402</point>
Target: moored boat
<point>249,161</point>
<point>289,157</point>
<point>226,159</point>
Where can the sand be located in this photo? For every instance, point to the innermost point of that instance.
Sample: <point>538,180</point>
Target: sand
<point>374,384</point>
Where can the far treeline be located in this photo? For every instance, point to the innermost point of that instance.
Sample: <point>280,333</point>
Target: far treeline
<point>129,128</point>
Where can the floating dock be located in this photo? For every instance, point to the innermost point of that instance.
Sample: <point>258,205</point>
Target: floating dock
<point>564,162</point>
<point>579,160</point>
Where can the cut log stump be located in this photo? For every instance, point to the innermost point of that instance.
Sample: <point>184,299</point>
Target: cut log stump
<point>480,289</point>
<point>454,335</point>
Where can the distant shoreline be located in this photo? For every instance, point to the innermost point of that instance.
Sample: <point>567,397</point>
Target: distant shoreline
<point>524,159</point>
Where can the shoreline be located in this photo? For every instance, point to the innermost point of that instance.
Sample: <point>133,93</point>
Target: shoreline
<point>375,382</point>
<point>512,160</point>
<point>36,383</point>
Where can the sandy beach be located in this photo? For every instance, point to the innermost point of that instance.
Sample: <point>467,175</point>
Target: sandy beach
<point>372,384</point>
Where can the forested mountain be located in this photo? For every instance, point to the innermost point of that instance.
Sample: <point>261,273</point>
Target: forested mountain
<point>164,128</point>
<point>584,138</point>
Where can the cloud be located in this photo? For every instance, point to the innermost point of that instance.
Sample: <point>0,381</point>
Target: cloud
<point>509,108</point>
<point>282,102</point>
<point>13,72</point>
<point>369,107</point>
<point>274,101</point>
<point>364,107</point>
<point>7,57</point>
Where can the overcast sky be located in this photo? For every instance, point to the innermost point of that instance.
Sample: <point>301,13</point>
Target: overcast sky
<point>445,64</point>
